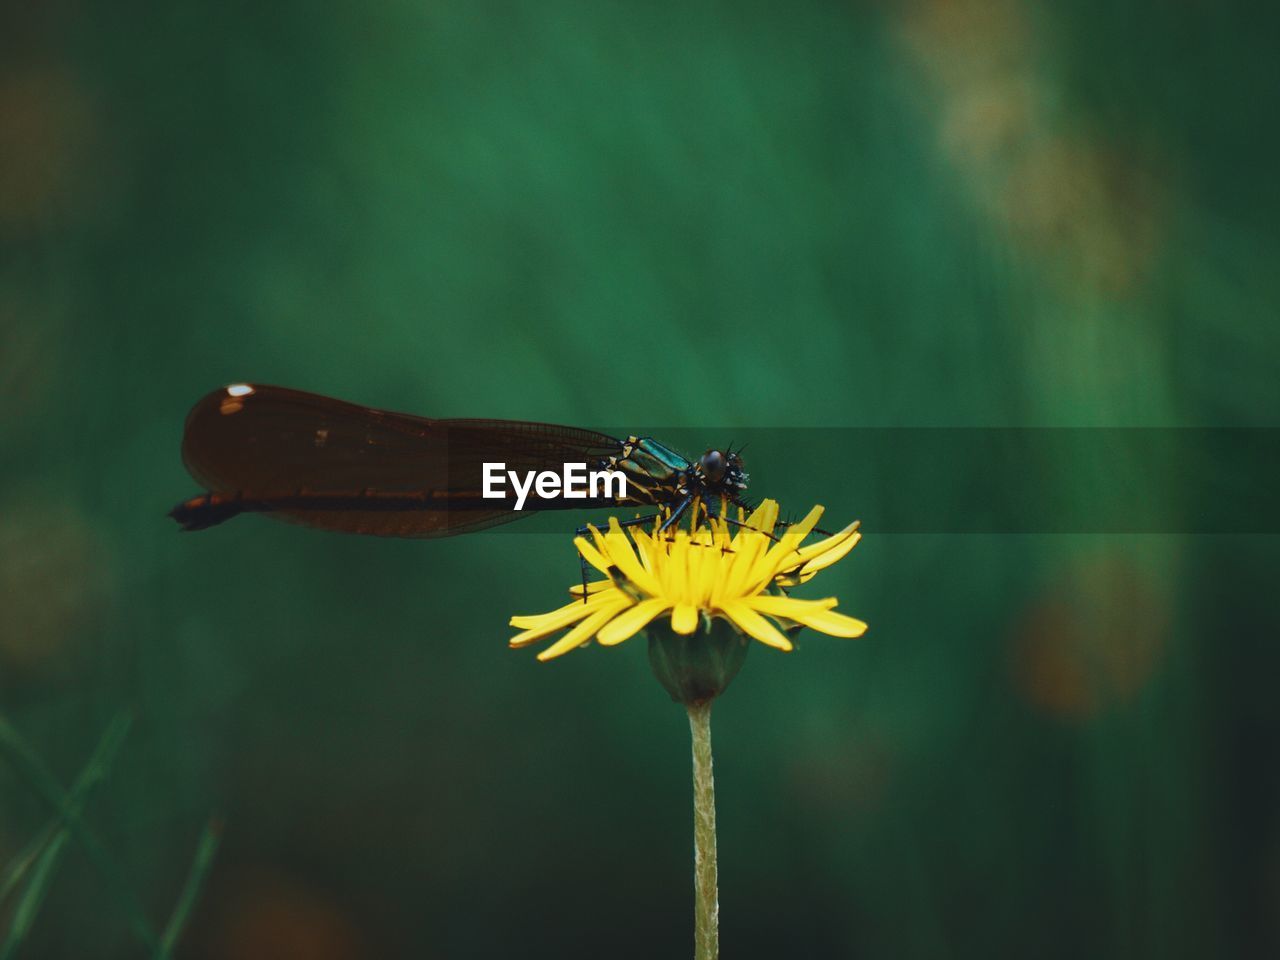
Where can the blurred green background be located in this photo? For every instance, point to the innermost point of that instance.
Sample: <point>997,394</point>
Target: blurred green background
<point>941,213</point>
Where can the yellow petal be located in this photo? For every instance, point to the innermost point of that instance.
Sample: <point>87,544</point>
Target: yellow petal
<point>627,623</point>
<point>708,571</point>
<point>815,614</point>
<point>684,618</point>
<point>773,604</point>
<point>833,552</point>
<point>690,592</point>
<point>592,555</point>
<point>785,553</point>
<point>582,632</point>
<point>645,549</point>
<point>542,624</point>
<point>593,587</point>
<point>676,575</point>
<point>833,624</point>
<point>819,547</point>
<point>623,555</point>
<point>793,579</point>
<point>802,529</point>
<point>755,625</point>
<point>763,518</point>
<point>748,547</point>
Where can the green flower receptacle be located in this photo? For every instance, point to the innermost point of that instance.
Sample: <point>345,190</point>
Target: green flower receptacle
<point>696,669</point>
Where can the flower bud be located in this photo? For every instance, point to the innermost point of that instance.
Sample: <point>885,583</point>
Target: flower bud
<point>696,668</point>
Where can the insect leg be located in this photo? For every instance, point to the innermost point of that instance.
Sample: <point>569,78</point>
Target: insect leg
<point>817,530</point>
<point>782,523</point>
<point>746,526</point>
<point>675,514</point>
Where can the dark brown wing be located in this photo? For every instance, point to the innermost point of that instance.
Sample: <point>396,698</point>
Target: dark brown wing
<point>340,466</point>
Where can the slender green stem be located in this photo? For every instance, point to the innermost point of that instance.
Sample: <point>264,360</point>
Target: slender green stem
<point>706,898</point>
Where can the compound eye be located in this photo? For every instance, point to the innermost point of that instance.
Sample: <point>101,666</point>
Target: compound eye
<point>713,465</point>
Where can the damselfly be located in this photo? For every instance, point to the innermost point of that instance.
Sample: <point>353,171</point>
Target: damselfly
<point>339,466</point>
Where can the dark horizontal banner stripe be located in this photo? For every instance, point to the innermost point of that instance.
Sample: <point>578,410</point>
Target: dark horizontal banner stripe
<point>1006,480</point>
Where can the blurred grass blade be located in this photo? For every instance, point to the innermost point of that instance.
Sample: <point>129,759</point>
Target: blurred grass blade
<point>41,780</point>
<point>46,848</point>
<point>200,864</point>
<point>24,914</point>
<point>25,859</point>
<point>96,770</point>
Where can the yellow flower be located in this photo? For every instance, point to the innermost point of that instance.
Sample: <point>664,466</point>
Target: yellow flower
<point>712,570</point>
